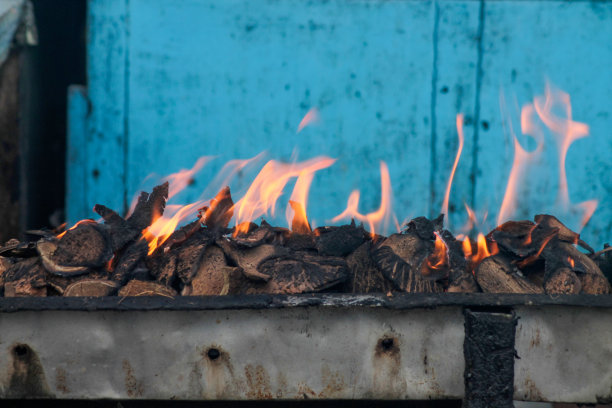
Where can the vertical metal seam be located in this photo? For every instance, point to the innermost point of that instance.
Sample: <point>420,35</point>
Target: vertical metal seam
<point>126,105</point>
<point>434,137</point>
<point>480,34</point>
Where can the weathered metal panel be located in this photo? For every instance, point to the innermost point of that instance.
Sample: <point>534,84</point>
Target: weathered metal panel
<point>456,41</point>
<point>234,78</point>
<point>76,159</point>
<point>564,354</point>
<point>172,81</point>
<point>525,42</point>
<point>107,43</point>
<point>289,353</point>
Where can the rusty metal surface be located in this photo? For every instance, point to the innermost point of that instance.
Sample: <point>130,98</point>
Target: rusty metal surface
<point>288,353</point>
<point>565,354</point>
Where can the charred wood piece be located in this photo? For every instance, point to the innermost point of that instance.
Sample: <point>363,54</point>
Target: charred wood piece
<point>250,259</point>
<point>400,258</point>
<point>149,207</point>
<point>496,274</point>
<point>424,227</point>
<point>91,287</point>
<point>127,261</point>
<point>364,274</point>
<point>339,241</point>
<point>565,234</point>
<point>303,273</point>
<point>47,249</point>
<point>220,211</point>
<point>209,278</point>
<point>562,281</point>
<point>143,288</point>
<point>86,245</point>
<point>25,278</point>
<point>121,232</point>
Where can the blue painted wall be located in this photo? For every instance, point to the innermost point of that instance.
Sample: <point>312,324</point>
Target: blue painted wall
<point>171,81</point>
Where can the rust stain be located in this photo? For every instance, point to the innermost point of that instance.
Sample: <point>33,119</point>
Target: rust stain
<point>333,382</point>
<point>133,387</point>
<point>26,376</point>
<point>258,382</point>
<point>60,381</point>
<point>531,391</point>
<point>536,340</point>
<point>387,363</point>
<point>282,385</point>
<point>305,392</point>
<point>220,379</point>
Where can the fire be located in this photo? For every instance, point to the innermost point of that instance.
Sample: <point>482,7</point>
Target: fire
<point>466,245</point>
<point>439,258</point>
<point>565,131</point>
<point>482,250</point>
<point>379,219</point>
<point>85,221</point>
<point>296,211</point>
<point>571,261</point>
<point>262,195</point>
<point>312,117</point>
<point>444,209</point>
<point>164,226</point>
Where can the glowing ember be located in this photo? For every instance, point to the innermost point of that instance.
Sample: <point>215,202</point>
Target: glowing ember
<point>571,261</point>
<point>85,221</point>
<point>379,219</point>
<point>444,209</point>
<point>312,117</point>
<point>439,257</point>
<point>482,250</point>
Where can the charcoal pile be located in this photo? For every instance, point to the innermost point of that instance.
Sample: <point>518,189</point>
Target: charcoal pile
<point>207,257</point>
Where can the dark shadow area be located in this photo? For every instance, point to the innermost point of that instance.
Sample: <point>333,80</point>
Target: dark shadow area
<point>47,69</point>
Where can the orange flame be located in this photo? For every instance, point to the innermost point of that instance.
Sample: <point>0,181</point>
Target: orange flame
<point>311,118</point>
<point>444,209</point>
<point>261,197</point>
<point>379,219</point>
<point>532,258</point>
<point>571,261</point>
<point>164,226</point>
<point>439,257</point>
<point>483,250</point>
<point>466,245</point>
<point>296,211</point>
<point>521,158</point>
<point>85,221</point>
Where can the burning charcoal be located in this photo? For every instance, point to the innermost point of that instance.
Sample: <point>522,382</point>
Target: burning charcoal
<point>47,250</point>
<point>121,232</point>
<point>563,254</point>
<point>182,234</point>
<point>221,210</point>
<point>249,259</point>
<point>523,239</point>
<point>364,275</point>
<point>148,207</point>
<point>400,258</point>
<point>303,273</point>
<point>565,234</point>
<point>255,236</point>
<point>25,278</point>
<point>86,245</point>
<point>128,259</point>
<point>299,223</point>
<point>562,281</point>
<point>460,280</point>
<point>142,288</point>
<point>424,227</point>
<point>301,242</point>
<point>209,278</point>
<point>496,274</point>
<point>339,241</point>
<point>91,287</point>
